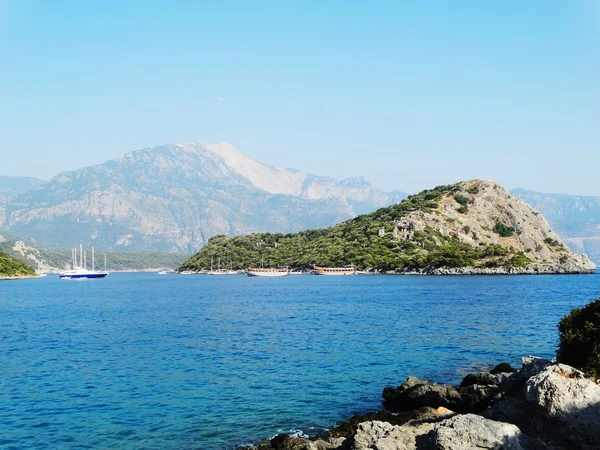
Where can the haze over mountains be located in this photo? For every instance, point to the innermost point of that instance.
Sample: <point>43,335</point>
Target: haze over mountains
<point>10,186</point>
<point>175,197</point>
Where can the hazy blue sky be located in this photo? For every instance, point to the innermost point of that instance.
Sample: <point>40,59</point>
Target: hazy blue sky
<point>409,94</point>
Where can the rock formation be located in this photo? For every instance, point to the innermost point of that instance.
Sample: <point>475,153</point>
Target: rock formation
<point>542,406</point>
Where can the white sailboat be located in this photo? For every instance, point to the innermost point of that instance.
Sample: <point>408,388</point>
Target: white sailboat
<point>79,272</point>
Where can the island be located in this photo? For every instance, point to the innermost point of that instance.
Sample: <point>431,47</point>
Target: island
<point>471,227</point>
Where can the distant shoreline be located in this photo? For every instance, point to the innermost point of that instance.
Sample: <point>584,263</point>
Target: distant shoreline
<point>26,277</point>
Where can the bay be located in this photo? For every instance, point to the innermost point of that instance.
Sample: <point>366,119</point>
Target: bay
<point>148,361</point>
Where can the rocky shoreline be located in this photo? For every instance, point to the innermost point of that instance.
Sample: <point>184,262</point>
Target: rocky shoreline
<point>535,269</point>
<point>542,406</point>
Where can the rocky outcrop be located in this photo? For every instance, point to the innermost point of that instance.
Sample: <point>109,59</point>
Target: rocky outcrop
<point>541,406</point>
<point>481,213</point>
<point>469,431</point>
<point>415,393</point>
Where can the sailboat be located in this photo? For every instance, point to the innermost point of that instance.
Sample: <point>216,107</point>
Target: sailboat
<point>220,271</point>
<point>78,272</point>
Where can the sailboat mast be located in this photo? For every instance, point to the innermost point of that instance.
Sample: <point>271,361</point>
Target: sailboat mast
<point>105,262</point>
<point>80,254</point>
<point>92,258</point>
<point>84,259</point>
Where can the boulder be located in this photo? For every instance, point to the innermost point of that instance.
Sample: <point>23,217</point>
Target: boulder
<point>377,435</point>
<point>416,393</point>
<point>286,442</point>
<point>485,379</point>
<point>477,397</point>
<point>469,431</point>
<point>503,368</point>
<point>532,365</point>
<point>570,400</point>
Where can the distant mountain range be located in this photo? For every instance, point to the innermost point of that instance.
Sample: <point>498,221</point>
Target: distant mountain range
<point>174,197</point>
<point>575,218</point>
<point>10,186</point>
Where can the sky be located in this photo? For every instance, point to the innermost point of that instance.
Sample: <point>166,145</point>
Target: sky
<point>408,94</point>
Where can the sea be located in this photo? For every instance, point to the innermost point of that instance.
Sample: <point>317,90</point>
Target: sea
<point>140,360</point>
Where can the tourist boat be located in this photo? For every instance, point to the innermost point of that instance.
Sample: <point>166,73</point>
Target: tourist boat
<point>268,272</point>
<point>162,272</point>
<point>348,270</point>
<point>81,272</point>
<point>220,271</point>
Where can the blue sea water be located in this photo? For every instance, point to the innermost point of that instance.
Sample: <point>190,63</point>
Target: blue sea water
<point>147,361</point>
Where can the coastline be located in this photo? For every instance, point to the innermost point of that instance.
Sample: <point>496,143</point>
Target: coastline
<point>542,405</point>
<point>26,277</point>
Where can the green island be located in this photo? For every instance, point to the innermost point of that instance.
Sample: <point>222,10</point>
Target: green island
<point>450,226</point>
<point>10,267</point>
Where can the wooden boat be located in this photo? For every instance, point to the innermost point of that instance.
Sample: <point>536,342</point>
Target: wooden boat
<point>348,270</point>
<point>268,272</point>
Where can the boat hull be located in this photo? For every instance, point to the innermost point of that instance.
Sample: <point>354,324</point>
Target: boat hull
<point>267,274</point>
<point>336,272</point>
<point>82,276</point>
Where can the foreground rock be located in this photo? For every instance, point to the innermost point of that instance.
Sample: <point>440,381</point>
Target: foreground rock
<point>542,406</point>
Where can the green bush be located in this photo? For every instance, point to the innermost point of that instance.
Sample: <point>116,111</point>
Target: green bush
<point>504,230</point>
<point>579,344</point>
<point>552,242</point>
<point>520,260</point>
<point>461,199</point>
<point>463,209</point>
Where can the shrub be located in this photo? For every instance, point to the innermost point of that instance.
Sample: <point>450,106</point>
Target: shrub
<point>461,199</point>
<point>579,344</point>
<point>520,261</point>
<point>552,242</point>
<point>463,209</point>
<point>473,190</point>
<point>504,230</point>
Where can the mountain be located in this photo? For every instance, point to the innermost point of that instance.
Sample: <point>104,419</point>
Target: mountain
<point>575,218</point>
<point>10,186</point>
<point>10,267</point>
<point>175,197</point>
<point>469,227</point>
<point>358,193</point>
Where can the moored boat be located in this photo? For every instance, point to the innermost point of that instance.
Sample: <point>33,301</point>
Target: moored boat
<point>268,272</point>
<point>81,272</point>
<point>348,270</point>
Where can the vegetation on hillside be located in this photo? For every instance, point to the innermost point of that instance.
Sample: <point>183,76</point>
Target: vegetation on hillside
<point>367,241</point>
<point>10,267</point>
<point>580,339</point>
<point>115,260</point>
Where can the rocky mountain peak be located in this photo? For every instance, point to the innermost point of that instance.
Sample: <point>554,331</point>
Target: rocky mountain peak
<point>175,196</point>
<point>479,212</point>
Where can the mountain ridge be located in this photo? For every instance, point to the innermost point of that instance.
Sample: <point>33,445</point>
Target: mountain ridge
<point>174,197</point>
